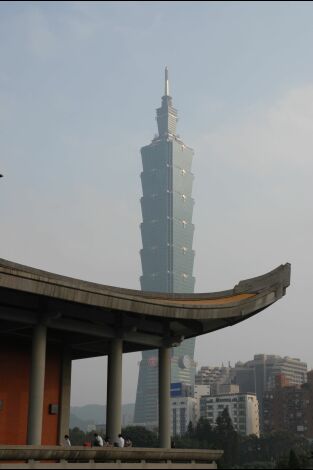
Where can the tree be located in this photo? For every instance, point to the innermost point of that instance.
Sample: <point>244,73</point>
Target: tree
<point>277,444</point>
<point>190,430</point>
<point>294,461</point>
<point>140,436</point>
<point>224,424</point>
<point>185,442</point>
<point>226,438</point>
<point>77,437</point>
<point>203,432</point>
<point>250,449</point>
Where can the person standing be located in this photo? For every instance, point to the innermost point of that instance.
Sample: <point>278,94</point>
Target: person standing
<point>67,442</point>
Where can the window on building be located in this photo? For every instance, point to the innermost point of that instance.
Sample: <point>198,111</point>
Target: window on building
<point>174,423</point>
<point>182,420</point>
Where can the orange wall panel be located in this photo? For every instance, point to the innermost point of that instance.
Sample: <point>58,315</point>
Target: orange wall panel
<point>15,361</point>
<point>14,384</point>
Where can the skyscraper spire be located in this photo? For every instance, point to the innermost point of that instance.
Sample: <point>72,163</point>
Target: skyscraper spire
<point>166,114</point>
<point>167,85</point>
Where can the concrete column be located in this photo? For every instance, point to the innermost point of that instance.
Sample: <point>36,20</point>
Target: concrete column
<point>65,395</point>
<point>37,383</point>
<point>114,389</point>
<point>165,397</point>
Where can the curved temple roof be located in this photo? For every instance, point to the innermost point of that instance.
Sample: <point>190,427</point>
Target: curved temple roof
<point>94,313</point>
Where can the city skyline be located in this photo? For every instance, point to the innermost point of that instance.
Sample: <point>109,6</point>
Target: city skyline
<point>77,87</point>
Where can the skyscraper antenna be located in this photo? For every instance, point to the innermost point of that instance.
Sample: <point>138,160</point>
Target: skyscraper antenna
<point>167,85</point>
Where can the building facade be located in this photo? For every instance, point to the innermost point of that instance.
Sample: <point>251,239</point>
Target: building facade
<point>289,407</point>
<point>214,377</point>
<point>258,375</point>
<point>167,234</point>
<point>243,410</point>
<point>253,377</point>
<point>183,412</point>
<point>201,390</point>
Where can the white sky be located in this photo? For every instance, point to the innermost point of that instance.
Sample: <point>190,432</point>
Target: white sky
<point>79,85</point>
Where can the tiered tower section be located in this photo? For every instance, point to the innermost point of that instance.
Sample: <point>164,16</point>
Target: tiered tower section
<point>167,256</point>
<point>167,231</point>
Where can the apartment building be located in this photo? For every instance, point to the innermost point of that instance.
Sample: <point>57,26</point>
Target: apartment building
<point>243,410</point>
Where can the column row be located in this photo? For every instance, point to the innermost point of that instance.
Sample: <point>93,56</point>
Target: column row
<point>114,390</point>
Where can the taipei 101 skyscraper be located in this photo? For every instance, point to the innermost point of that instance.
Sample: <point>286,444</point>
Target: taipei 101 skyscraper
<point>167,256</point>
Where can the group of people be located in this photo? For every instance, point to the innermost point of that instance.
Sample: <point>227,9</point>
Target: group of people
<point>100,442</point>
<point>120,441</point>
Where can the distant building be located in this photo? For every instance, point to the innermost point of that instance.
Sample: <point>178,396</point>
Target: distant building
<point>243,410</point>
<point>289,407</point>
<point>183,411</point>
<point>184,407</point>
<point>253,377</point>
<point>201,390</point>
<point>214,377</point>
<point>167,234</point>
<point>258,375</point>
<point>181,389</point>
<point>227,389</point>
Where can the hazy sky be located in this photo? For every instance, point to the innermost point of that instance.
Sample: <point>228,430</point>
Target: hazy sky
<point>79,84</point>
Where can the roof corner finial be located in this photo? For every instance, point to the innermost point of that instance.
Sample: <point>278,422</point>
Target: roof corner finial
<point>167,86</point>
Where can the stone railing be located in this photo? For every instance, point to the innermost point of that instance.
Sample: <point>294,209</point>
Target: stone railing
<point>80,457</point>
